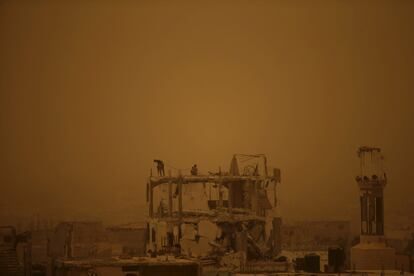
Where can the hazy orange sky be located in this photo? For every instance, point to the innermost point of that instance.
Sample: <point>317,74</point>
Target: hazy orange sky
<point>92,91</point>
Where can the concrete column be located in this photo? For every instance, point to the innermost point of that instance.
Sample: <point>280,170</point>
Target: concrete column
<point>151,198</point>
<point>220,189</point>
<point>180,195</point>
<point>170,196</point>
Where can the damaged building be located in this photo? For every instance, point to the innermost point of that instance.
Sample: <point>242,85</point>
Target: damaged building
<point>315,235</point>
<point>135,266</point>
<point>225,218</point>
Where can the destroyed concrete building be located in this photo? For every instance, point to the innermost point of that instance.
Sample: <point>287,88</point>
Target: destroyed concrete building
<point>214,214</point>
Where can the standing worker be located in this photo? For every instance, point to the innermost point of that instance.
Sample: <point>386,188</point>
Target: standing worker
<point>194,170</point>
<point>160,167</point>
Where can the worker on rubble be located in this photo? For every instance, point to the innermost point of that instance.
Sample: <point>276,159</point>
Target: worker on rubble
<point>160,167</point>
<point>194,170</point>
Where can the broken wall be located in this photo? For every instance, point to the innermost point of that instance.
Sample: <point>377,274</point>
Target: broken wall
<point>132,241</point>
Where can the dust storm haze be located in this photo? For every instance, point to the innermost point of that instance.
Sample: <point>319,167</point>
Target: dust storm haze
<point>92,91</point>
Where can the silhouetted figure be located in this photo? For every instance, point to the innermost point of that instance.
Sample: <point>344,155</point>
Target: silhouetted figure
<point>194,170</point>
<point>160,167</point>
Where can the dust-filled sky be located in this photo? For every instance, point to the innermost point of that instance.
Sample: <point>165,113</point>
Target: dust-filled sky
<point>92,91</point>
